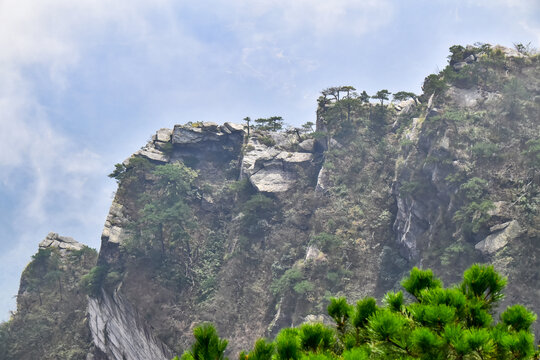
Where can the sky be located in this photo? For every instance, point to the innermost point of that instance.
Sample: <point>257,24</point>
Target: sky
<point>84,84</point>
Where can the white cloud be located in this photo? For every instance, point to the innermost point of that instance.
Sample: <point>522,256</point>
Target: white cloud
<point>317,17</point>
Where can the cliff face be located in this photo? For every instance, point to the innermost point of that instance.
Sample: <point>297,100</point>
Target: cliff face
<point>254,233</point>
<point>50,322</point>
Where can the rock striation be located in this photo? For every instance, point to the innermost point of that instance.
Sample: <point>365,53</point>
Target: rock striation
<point>119,334</point>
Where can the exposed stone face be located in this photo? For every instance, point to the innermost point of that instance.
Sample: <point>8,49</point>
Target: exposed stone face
<point>307,145</point>
<point>119,333</point>
<point>113,230</point>
<point>501,235</point>
<point>163,135</point>
<point>469,98</point>
<point>234,127</point>
<point>271,169</point>
<point>60,242</point>
<point>207,132</point>
<point>405,107</point>
<point>323,181</point>
<point>150,152</point>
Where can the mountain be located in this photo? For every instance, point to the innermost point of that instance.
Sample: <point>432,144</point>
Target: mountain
<point>256,232</point>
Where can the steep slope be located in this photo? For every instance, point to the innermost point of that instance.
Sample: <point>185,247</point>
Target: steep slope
<point>442,183</point>
<point>255,232</point>
<point>50,322</point>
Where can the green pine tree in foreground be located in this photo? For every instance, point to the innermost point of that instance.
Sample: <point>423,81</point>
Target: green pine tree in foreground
<point>427,322</point>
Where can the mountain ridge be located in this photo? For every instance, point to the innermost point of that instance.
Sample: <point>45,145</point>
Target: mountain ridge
<point>255,233</point>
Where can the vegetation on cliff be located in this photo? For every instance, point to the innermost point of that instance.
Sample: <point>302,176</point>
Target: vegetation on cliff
<point>428,321</point>
<point>50,322</point>
<point>439,180</point>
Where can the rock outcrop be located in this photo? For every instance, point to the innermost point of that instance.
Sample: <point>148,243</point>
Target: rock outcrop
<point>500,236</point>
<point>61,242</point>
<point>119,333</point>
<point>270,163</point>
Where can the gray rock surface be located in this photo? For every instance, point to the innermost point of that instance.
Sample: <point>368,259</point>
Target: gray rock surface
<point>119,333</point>
<point>206,132</point>
<point>269,168</point>
<point>323,181</point>
<point>307,145</point>
<point>163,135</point>
<point>501,235</point>
<point>470,97</point>
<point>150,152</point>
<point>113,230</point>
<point>234,127</point>
<point>405,107</point>
<point>60,242</point>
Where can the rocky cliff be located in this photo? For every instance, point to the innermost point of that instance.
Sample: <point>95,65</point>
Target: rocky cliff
<point>255,232</point>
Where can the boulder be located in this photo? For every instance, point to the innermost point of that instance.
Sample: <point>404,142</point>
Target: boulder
<point>270,169</point>
<point>187,135</point>
<point>61,242</point>
<point>272,180</point>
<point>163,135</point>
<point>307,145</point>
<point>210,126</point>
<point>469,59</point>
<point>323,181</point>
<point>234,127</point>
<point>314,254</point>
<point>460,65</point>
<point>150,152</point>
<point>470,97</point>
<point>502,234</point>
<point>405,107</point>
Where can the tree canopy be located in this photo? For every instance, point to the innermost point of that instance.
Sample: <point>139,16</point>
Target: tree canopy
<point>435,323</point>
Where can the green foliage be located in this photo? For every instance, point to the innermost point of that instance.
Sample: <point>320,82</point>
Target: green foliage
<point>434,84</point>
<point>363,310</point>
<point>308,127</point>
<point>451,323</point>
<point>326,242</point>
<point>382,95</point>
<point>288,279</point>
<point>258,207</point>
<point>316,337</point>
<point>339,310</point>
<point>118,172</point>
<point>474,189</point>
<point>394,301</point>
<point>303,287</point>
<point>92,282</point>
<point>48,305</point>
<point>514,92</point>
<point>483,284</point>
<point>532,152</point>
<point>266,140</point>
<point>419,280</point>
<point>263,350</point>
<point>473,216</point>
<point>207,346</point>
<point>414,188</point>
<point>404,95</point>
<point>518,318</point>
<point>485,150</point>
<point>288,345</point>
<point>161,230</point>
<point>475,211</point>
<point>273,123</point>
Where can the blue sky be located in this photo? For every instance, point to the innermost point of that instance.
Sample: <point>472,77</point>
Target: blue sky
<point>83,84</point>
